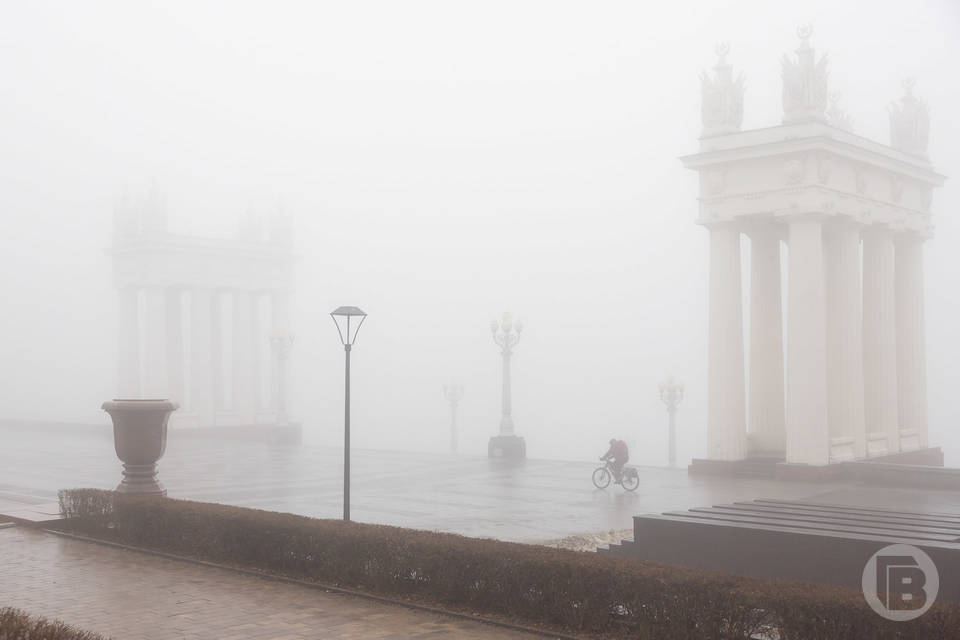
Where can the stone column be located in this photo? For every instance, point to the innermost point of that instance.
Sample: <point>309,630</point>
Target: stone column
<point>174,345</point>
<point>845,411</point>
<point>807,435</point>
<point>880,343</point>
<point>216,353</point>
<point>767,420</point>
<point>257,340</point>
<point>911,342</point>
<point>202,350</point>
<point>280,375</point>
<point>243,359</point>
<point>155,384</point>
<point>128,344</point>
<point>726,419</point>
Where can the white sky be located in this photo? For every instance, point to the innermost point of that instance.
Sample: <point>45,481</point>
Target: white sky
<point>445,161</point>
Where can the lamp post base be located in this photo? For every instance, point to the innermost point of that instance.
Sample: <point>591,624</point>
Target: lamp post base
<point>512,447</point>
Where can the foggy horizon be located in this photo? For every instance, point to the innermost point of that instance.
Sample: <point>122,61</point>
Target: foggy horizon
<point>441,166</point>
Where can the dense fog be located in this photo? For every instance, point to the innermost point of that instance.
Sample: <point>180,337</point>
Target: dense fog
<point>442,163</point>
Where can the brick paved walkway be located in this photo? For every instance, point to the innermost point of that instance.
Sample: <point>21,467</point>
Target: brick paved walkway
<point>133,596</point>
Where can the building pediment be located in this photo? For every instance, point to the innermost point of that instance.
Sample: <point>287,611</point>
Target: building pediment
<point>812,168</point>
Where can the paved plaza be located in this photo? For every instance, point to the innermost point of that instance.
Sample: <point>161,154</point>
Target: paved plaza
<point>531,501</point>
<point>131,595</point>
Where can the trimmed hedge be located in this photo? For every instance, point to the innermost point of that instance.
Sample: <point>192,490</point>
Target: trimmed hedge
<point>18,625</point>
<point>586,593</point>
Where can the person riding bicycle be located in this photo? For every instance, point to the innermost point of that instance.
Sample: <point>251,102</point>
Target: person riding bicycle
<point>619,454</point>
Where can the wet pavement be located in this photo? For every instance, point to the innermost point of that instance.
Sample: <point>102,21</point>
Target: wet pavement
<point>532,501</point>
<point>134,596</point>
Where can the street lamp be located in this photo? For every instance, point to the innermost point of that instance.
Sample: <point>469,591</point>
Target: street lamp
<point>282,342</point>
<point>671,393</point>
<point>506,335</point>
<point>342,317</point>
<point>453,393</point>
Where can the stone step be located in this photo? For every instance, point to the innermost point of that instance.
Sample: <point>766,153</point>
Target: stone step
<point>794,540</point>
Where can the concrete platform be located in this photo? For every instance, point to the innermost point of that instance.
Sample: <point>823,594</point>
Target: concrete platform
<point>795,540</point>
<point>922,468</point>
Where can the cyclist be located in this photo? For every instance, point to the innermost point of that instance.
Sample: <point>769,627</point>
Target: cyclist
<point>619,454</point>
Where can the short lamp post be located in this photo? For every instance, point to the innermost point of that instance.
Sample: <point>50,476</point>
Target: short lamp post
<point>348,321</point>
<point>671,393</point>
<point>506,335</point>
<point>281,342</point>
<point>453,393</point>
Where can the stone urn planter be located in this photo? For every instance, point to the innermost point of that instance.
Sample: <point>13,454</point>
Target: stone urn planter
<point>140,438</point>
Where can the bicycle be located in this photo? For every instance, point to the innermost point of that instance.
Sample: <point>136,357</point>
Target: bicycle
<point>629,478</point>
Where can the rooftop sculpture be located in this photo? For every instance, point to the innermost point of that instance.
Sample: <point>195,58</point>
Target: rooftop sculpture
<point>909,123</point>
<point>722,108</point>
<point>804,83</point>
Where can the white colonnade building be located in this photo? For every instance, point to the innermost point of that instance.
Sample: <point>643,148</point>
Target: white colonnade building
<point>205,321</point>
<point>838,222</point>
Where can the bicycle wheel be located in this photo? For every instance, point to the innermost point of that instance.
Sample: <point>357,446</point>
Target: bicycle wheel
<point>601,478</point>
<point>630,481</point>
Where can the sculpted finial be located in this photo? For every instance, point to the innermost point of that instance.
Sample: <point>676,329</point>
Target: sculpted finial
<point>722,49</point>
<point>908,84</point>
<point>909,122</point>
<point>722,96</point>
<point>836,116</point>
<point>804,83</point>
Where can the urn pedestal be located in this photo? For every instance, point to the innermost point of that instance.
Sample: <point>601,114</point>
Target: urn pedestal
<point>140,439</point>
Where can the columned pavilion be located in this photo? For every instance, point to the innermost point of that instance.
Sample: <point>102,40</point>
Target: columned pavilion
<point>835,225</point>
<point>204,321</point>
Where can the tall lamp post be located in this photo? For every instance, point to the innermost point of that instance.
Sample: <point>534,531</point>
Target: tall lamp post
<point>671,393</point>
<point>453,393</point>
<point>342,317</point>
<point>506,335</point>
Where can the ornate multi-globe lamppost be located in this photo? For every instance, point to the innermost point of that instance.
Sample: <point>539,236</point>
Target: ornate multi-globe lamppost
<point>506,335</point>
<point>671,393</point>
<point>453,392</point>
<point>343,317</point>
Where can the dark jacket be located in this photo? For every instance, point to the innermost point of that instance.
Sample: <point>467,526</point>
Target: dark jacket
<point>618,451</point>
